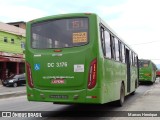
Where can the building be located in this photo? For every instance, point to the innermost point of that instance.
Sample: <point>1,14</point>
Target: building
<point>12,41</point>
<point>20,24</point>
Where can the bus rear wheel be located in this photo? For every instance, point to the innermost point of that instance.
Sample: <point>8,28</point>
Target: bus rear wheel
<point>122,96</point>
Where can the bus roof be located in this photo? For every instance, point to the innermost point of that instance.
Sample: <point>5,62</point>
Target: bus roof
<point>147,60</point>
<point>82,14</point>
<point>62,15</point>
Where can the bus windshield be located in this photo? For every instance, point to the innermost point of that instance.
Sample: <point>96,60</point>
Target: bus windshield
<point>144,63</point>
<point>59,33</point>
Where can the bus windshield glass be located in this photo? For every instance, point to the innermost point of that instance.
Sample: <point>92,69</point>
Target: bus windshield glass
<point>60,33</point>
<point>144,63</point>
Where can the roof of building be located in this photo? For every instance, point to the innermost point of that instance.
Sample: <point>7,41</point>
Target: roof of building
<point>12,29</point>
<point>17,22</point>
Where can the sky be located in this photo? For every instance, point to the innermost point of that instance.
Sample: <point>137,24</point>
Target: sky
<point>137,22</point>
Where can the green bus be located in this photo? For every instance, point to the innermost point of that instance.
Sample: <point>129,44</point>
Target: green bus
<point>147,71</point>
<point>77,58</point>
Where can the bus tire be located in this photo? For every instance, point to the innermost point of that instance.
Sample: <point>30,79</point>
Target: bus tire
<point>151,83</point>
<point>132,93</point>
<point>136,85</point>
<point>122,96</point>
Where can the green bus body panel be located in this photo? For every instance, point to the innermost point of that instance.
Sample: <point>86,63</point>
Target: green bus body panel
<point>49,70</point>
<point>75,83</point>
<point>145,71</point>
<point>110,74</point>
<point>37,96</point>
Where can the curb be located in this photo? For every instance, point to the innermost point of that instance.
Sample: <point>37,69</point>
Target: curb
<point>12,94</point>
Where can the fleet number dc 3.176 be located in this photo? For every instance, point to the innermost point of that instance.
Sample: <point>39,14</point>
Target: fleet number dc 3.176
<point>57,64</point>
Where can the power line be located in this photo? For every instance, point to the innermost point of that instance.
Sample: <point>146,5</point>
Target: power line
<point>150,58</point>
<point>154,59</point>
<point>146,43</point>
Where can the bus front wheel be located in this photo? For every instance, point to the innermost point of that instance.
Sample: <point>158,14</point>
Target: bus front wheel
<point>122,96</point>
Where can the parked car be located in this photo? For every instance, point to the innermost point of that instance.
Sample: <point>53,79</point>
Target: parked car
<point>15,80</point>
<point>158,73</point>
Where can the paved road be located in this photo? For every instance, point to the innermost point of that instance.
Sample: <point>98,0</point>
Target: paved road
<point>146,98</point>
<point>6,92</point>
<point>12,89</point>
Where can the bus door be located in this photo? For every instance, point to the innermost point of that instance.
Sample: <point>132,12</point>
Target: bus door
<point>128,70</point>
<point>137,70</point>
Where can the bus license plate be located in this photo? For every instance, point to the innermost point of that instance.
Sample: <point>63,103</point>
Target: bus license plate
<point>59,96</point>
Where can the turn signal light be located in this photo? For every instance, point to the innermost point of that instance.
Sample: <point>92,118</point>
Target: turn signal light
<point>29,75</point>
<point>92,77</point>
<point>57,50</point>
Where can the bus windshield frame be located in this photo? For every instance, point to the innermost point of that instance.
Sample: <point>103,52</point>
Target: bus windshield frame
<point>144,63</point>
<point>60,33</point>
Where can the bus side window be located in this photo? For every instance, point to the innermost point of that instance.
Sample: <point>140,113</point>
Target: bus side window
<point>120,51</point>
<point>137,63</point>
<point>103,41</point>
<point>117,49</point>
<point>108,44</point>
<point>135,60</point>
<point>132,59</point>
<point>123,54</point>
<point>113,47</point>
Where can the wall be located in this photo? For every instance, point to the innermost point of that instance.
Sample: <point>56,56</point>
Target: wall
<point>10,46</point>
